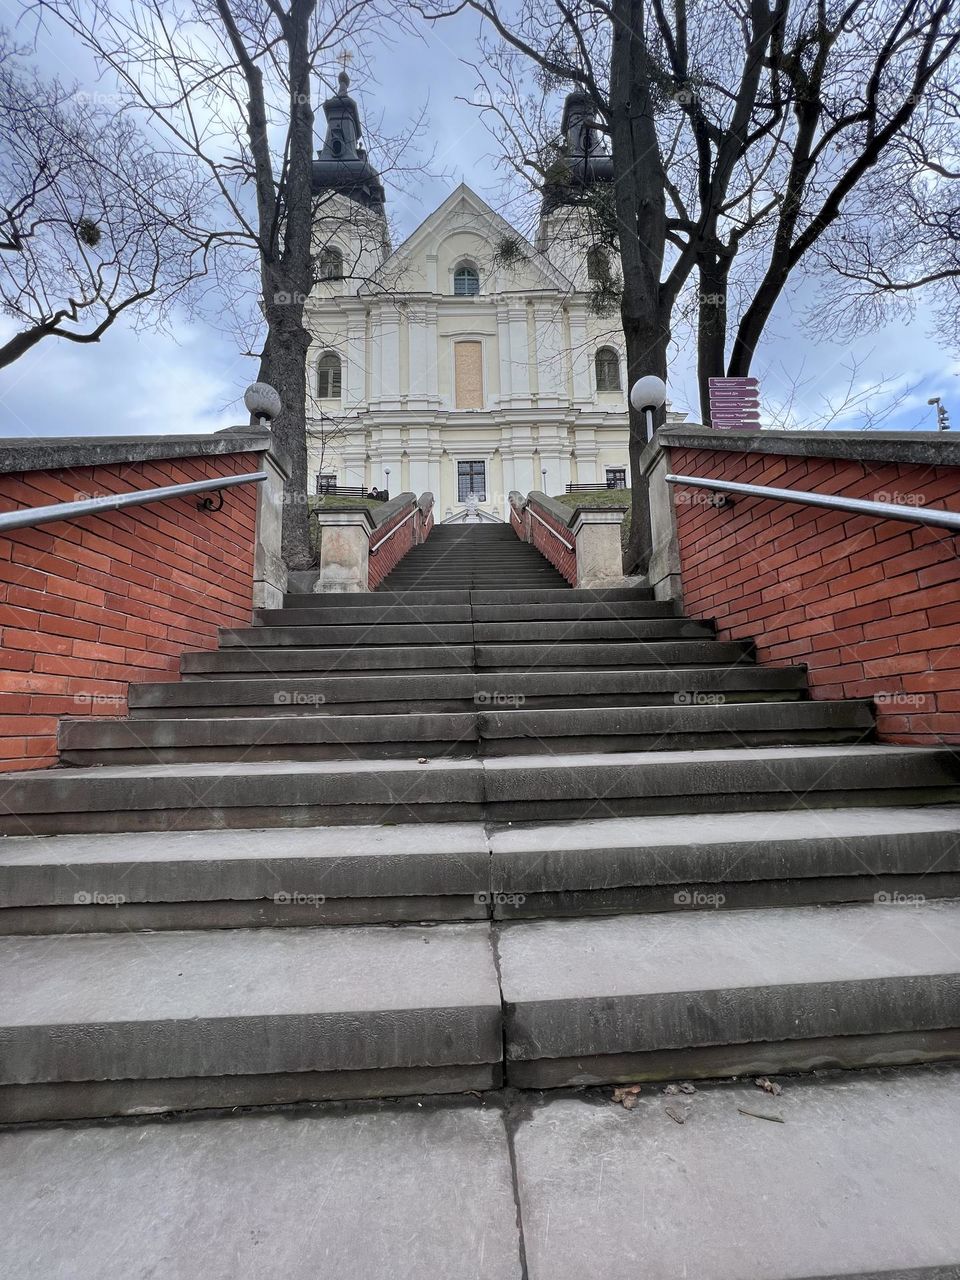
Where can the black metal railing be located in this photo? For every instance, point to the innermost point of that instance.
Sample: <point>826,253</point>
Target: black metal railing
<point>597,487</point>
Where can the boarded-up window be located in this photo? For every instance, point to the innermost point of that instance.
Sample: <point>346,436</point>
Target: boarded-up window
<point>468,374</point>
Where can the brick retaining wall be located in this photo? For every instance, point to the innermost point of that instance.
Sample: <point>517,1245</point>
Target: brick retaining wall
<point>88,605</point>
<point>528,529</point>
<point>871,606</point>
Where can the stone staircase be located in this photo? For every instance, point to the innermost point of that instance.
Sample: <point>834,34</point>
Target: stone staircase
<point>444,837</point>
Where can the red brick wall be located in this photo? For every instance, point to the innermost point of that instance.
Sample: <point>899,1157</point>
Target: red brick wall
<point>389,555</point>
<point>88,605</point>
<point>872,606</point>
<point>549,547</point>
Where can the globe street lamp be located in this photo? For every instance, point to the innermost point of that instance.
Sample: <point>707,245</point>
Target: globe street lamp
<point>646,395</point>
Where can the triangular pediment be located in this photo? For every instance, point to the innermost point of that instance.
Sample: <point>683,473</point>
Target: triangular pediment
<point>462,219</point>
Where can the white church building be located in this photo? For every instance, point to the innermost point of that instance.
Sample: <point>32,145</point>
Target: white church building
<point>467,361</point>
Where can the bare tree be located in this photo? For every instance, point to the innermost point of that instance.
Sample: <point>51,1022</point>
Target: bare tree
<point>230,84</point>
<point>742,134</point>
<point>95,224</point>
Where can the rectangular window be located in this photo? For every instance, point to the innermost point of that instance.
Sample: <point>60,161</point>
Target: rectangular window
<point>326,483</point>
<point>616,477</point>
<point>471,479</point>
<point>468,374</point>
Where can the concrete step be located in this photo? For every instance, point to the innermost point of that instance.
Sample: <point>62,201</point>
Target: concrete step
<point>394,612</point>
<point>333,601</point>
<point>160,797</point>
<point>729,993</point>
<point>334,635</point>
<point>625,629</point>
<point>377,599</point>
<point>320,876</point>
<point>248,878</point>
<point>856,1182</point>
<point>350,693</point>
<point>725,861</point>
<point>109,1020</point>
<point>489,731</point>
<point>344,615</point>
<point>255,662</point>
<point>478,581</point>
<point>562,609</point>
<point>270,663</point>
<point>657,653</point>
<point>413,633</point>
<point>571,595</point>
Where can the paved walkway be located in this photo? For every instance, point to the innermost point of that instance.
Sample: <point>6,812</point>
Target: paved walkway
<point>861,1178</point>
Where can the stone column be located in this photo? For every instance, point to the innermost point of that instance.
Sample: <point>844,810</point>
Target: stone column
<point>344,550</point>
<point>386,392</point>
<point>355,387</point>
<point>519,356</point>
<point>269,568</point>
<point>599,555</point>
<point>580,355</point>
<point>664,570</point>
<point>549,339</point>
<point>503,346</point>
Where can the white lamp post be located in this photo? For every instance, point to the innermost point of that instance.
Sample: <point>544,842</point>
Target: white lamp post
<point>386,472</point>
<point>543,473</point>
<point>646,395</point>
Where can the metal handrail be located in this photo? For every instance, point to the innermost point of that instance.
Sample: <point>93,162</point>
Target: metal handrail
<point>568,545</point>
<point>386,536</point>
<point>26,517</point>
<point>833,502</point>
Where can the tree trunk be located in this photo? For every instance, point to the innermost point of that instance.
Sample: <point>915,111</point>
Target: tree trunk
<point>640,195</point>
<point>711,325</point>
<point>282,365</point>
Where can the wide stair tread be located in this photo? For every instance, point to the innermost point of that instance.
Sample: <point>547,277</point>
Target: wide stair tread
<point>489,729</point>
<point>534,787</point>
<point>465,870</point>
<point>772,987</point>
<point>248,1003</point>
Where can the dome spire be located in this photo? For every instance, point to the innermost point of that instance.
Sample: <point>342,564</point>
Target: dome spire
<point>342,163</point>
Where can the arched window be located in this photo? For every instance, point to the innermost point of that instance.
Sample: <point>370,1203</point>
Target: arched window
<point>329,376</point>
<point>608,369</point>
<point>331,264</point>
<point>466,282</point>
<point>598,264</point>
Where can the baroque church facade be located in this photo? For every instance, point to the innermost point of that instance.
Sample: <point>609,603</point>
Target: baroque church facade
<point>467,361</point>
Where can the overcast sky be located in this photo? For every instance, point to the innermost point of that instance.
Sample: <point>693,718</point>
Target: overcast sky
<point>193,378</point>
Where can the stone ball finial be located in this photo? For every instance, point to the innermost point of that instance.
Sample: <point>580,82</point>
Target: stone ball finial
<point>263,401</point>
<point>343,80</point>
